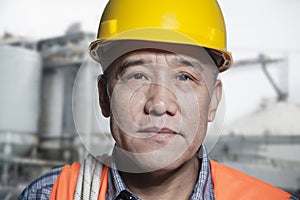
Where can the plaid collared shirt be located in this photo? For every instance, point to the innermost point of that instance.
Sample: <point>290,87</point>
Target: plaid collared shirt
<point>41,188</point>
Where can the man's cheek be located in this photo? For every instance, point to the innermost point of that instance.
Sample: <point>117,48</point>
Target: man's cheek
<point>126,109</point>
<point>119,109</point>
<point>136,105</point>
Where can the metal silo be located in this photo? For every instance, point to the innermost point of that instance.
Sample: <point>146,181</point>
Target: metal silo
<point>62,57</point>
<point>20,76</point>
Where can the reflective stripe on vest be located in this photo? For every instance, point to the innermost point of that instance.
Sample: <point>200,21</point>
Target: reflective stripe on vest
<point>229,184</point>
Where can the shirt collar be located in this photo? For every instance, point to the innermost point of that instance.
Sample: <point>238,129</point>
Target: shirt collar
<point>204,186</point>
<point>202,190</point>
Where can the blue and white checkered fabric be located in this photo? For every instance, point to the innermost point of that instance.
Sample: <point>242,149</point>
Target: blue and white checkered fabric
<point>41,188</point>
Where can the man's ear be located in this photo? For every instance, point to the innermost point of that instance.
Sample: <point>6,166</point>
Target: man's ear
<point>214,102</point>
<point>103,96</point>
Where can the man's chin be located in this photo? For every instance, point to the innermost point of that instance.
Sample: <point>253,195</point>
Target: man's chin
<point>162,159</point>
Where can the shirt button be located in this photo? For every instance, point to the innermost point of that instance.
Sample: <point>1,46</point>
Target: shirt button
<point>125,195</point>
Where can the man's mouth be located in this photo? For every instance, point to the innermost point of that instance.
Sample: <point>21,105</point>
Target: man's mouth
<point>158,134</point>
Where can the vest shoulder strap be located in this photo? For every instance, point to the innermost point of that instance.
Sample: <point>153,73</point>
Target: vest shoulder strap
<point>65,184</point>
<point>232,184</point>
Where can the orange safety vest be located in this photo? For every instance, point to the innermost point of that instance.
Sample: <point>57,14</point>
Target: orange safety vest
<point>233,184</point>
<point>229,184</point>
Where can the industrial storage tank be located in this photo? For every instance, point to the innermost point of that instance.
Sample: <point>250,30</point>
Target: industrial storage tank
<point>92,128</point>
<point>20,77</point>
<point>62,57</point>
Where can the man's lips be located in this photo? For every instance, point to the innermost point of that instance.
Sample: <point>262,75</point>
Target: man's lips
<point>158,133</point>
<point>158,130</point>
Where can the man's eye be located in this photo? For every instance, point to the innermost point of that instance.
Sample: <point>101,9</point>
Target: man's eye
<point>183,77</point>
<point>139,76</point>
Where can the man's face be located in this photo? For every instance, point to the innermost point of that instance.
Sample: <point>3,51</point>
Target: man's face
<point>159,104</point>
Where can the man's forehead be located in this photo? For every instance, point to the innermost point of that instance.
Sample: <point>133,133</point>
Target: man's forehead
<point>154,56</point>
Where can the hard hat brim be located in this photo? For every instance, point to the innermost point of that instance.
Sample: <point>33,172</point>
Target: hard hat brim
<point>107,51</point>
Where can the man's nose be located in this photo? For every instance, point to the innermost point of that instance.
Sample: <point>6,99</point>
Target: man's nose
<point>160,100</point>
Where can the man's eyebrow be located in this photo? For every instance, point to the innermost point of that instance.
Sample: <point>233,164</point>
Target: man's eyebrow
<point>188,63</point>
<point>129,63</point>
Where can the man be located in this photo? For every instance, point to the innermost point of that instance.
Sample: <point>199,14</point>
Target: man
<point>159,87</point>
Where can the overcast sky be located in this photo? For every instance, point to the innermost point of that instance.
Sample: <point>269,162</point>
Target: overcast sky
<point>253,26</point>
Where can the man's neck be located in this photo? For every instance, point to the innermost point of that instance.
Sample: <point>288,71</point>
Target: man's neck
<point>175,184</point>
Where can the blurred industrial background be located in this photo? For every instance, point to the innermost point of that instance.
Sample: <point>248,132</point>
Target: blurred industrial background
<point>261,129</point>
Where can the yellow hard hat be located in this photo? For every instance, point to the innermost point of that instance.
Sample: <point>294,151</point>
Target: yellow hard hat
<point>127,25</point>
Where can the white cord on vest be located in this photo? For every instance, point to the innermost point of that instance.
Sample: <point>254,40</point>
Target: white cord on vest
<point>88,182</point>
